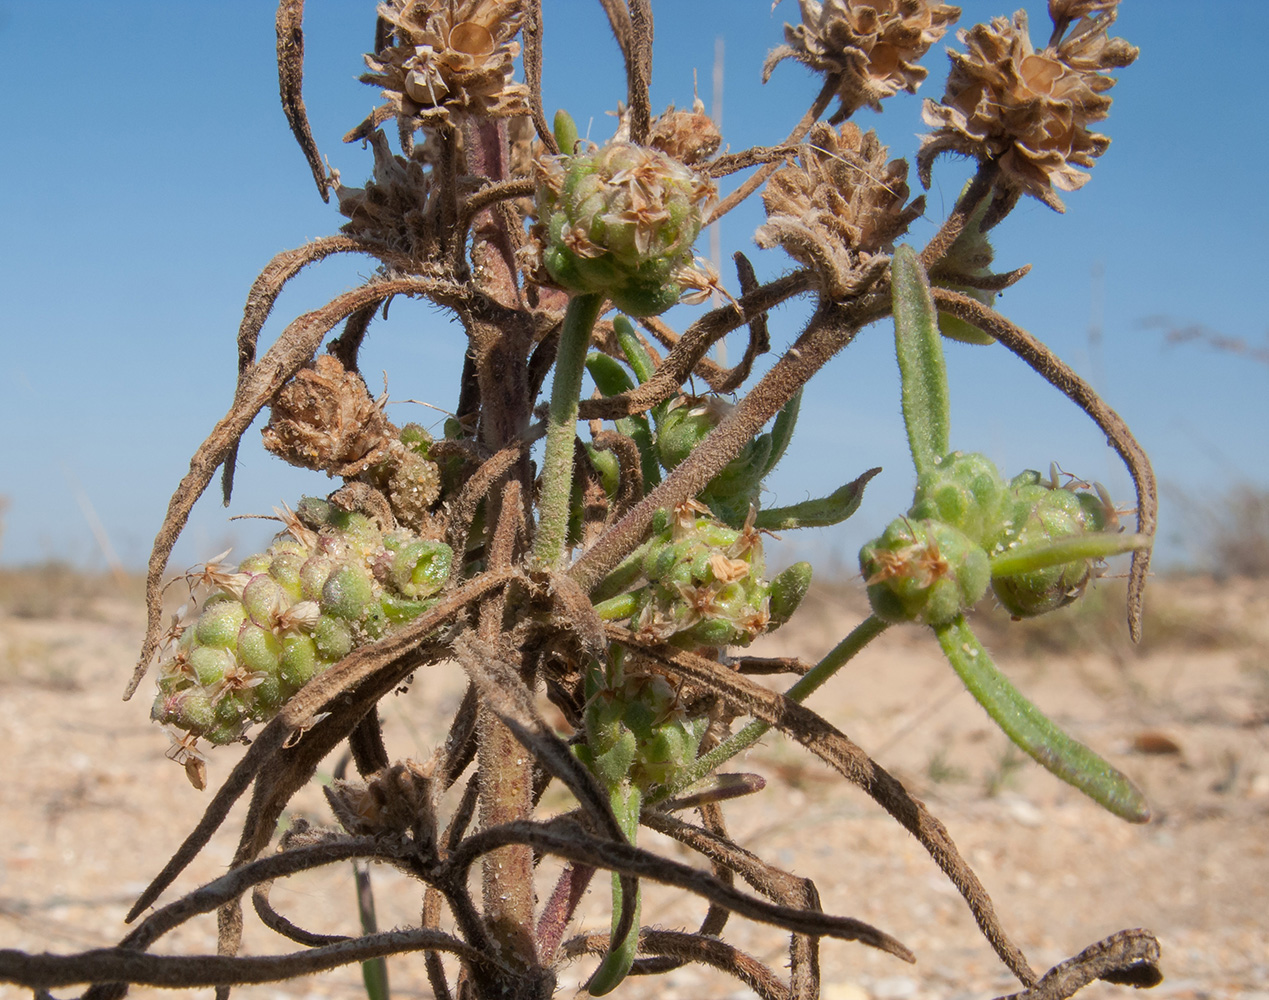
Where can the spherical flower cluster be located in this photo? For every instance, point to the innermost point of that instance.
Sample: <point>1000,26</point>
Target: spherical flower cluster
<point>937,561</point>
<point>331,582</point>
<point>621,221</point>
<point>705,585</point>
<point>1037,511</point>
<point>636,729</point>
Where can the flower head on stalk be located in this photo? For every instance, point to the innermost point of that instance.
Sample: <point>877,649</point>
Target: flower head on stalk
<point>871,46</point>
<point>841,207</point>
<point>1029,111</point>
<point>440,58</point>
<point>621,220</point>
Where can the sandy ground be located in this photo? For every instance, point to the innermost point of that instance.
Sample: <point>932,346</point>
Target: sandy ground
<point>90,809</point>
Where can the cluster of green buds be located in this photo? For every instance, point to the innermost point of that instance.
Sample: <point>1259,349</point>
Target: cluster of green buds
<point>1039,512</point>
<point>703,584</point>
<point>737,488</point>
<point>620,221</point>
<point>332,581</point>
<point>636,728</point>
<point>1035,542</point>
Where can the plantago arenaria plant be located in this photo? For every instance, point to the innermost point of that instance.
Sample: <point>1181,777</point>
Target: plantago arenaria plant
<point>597,590</point>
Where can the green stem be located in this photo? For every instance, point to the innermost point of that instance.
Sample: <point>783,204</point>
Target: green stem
<point>921,367</point>
<point>807,684</point>
<point>557,463</point>
<point>626,801</point>
<point>1033,732</point>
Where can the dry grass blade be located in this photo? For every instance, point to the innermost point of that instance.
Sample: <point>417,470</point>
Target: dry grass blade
<point>835,749</point>
<point>1058,374</point>
<point>239,880</point>
<point>772,882</point>
<point>567,840</point>
<point>639,70</point>
<point>716,916</point>
<point>759,338</point>
<point>817,108</point>
<point>260,301</point>
<point>492,194</point>
<point>279,924</point>
<point>730,163</point>
<point>244,773</point>
<point>294,348</point>
<point>290,26</point>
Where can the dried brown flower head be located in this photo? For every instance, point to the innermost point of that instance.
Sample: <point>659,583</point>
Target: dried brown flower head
<point>873,45</point>
<point>690,137</point>
<point>394,207</point>
<point>841,209</point>
<point>1028,111</point>
<point>446,57</point>
<point>325,419</point>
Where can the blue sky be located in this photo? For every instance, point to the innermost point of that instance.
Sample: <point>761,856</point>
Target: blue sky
<point>149,175</point>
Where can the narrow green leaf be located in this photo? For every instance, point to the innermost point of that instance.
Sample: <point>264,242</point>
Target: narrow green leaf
<point>832,509</point>
<point>782,431</point>
<point>565,132</point>
<point>626,801</point>
<point>1033,732</point>
<point>374,971</point>
<point>637,427</point>
<point>616,608</point>
<point>639,359</point>
<point>1041,555</point>
<point>920,353</point>
<point>610,378</point>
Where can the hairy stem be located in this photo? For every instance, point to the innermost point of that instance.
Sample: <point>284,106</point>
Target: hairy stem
<point>557,463</point>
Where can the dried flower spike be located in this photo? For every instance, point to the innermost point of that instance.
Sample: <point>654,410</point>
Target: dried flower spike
<point>1025,110</point>
<point>842,206</point>
<point>871,45</point>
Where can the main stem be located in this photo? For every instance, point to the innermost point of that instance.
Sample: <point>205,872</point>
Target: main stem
<point>557,463</point>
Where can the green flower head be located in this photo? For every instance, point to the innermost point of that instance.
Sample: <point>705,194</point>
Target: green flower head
<point>621,220</point>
